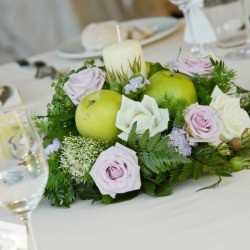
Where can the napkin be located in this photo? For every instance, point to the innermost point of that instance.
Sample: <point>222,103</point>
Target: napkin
<point>198,26</point>
<point>12,236</point>
<point>9,96</point>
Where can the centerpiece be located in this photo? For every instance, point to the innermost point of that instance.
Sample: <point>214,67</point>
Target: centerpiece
<point>124,126</point>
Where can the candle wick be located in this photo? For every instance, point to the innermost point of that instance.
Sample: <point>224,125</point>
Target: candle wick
<point>118,33</point>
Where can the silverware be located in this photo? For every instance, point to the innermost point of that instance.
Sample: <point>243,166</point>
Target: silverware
<point>5,93</point>
<point>42,69</point>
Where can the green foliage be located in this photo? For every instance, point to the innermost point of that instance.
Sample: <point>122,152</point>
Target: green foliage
<point>244,151</point>
<point>214,185</point>
<point>60,189</point>
<point>208,159</point>
<point>157,190</point>
<point>176,107</point>
<point>159,158</point>
<point>155,67</point>
<point>135,67</point>
<point>220,76</point>
<point>154,154</point>
<point>87,192</point>
<point>107,199</point>
<point>60,112</point>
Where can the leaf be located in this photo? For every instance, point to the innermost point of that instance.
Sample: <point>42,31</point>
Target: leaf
<point>174,175</point>
<point>86,192</point>
<point>210,160</point>
<point>214,185</point>
<point>153,141</point>
<point>161,145</point>
<point>60,189</point>
<point>197,169</point>
<point>132,137</point>
<point>107,199</point>
<point>143,142</point>
<point>163,190</point>
<point>61,197</point>
<point>149,163</point>
<point>148,187</point>
<point>186,172</point>
<point>156,190</point>
<point>154,68</point>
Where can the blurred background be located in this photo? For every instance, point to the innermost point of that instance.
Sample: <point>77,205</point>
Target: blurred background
<point>29,27</point>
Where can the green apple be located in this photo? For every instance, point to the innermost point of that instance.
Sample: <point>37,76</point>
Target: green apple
<point>174,84</point>
<point>96,115</point>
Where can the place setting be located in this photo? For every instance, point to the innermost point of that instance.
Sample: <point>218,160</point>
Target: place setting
<point>97,35</point>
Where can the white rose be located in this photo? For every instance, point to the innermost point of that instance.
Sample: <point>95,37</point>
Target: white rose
<point>235,119</point>
<point>146,113</point>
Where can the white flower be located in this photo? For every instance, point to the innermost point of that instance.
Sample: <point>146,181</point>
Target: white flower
<point>146,113</point>
<point>53,147</point>
<point>235,119</point>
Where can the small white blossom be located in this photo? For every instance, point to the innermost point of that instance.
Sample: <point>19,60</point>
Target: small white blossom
<point>52,147</point>
<point>78,156</point>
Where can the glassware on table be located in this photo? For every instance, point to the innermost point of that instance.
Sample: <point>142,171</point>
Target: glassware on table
<point>23,168</point>
<point>198,29</point>
<point>228,21</point>
<point>244,52</point>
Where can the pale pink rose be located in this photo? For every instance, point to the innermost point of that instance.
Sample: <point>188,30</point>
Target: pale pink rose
<point>203,123</point>
<point>116,171</point>
<point>191,66</point>
<point>84,83</point>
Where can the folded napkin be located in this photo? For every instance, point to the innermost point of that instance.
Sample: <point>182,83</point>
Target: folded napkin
<point>9,96</point>
<point>12,236</point>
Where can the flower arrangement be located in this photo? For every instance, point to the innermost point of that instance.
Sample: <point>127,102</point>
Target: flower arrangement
<point>109,135</point>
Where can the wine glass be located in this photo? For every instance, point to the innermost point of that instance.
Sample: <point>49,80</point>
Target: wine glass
<point>244,52</point>
<point>23,168</point>
<point>198,29</point>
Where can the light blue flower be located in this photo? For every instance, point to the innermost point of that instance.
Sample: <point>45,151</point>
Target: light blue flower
<point>178,140</point>
<point>135,84</point>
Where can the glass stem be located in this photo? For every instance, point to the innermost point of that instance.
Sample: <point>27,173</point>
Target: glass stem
<point>195,47</point>
<point>246,5</point>
<point>30,236</point>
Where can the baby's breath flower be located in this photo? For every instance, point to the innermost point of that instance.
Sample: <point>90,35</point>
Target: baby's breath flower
<point>78,156</point>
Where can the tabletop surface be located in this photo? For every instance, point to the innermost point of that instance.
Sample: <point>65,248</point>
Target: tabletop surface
<point>216,219</point>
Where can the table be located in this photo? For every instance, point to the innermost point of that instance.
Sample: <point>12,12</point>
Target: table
<point>217,219</point>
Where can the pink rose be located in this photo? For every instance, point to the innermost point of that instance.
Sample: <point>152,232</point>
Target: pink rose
<point>83,83</point>
<point>203,123</point>
<point>191,66</point>
<point>116,171</point>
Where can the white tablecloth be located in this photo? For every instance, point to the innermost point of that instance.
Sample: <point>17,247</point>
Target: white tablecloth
<point>217,219</point>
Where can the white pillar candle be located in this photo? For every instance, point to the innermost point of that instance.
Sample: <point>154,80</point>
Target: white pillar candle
<point>117,56</point>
